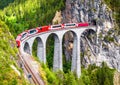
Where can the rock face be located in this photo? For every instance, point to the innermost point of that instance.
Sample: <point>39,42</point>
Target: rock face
<point>57,19</point>
<point>105,46</point>
<point>86,11</point>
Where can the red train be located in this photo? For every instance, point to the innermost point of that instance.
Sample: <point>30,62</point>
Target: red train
<point>37,30</point>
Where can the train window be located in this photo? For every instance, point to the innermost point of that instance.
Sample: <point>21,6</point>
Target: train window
<point>32,31</point>
<point>56,26</point>
<point>24,35</point>
<point>72,24</point>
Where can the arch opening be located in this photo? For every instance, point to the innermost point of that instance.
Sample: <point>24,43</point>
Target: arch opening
<point>27,48</point>
<point>51,49</point>
<point>68,47</point>
<point>37,48</point>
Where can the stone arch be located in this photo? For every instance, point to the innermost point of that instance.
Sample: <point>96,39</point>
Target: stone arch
<point>39,48</point>
<point>87,32</point>
<point>69,37</point>
<point>56,55</point>
<point>90,30</point>
<point>56,37</point>
<point>75,53</point>
<point>86,39</point>
<point>27,48</point>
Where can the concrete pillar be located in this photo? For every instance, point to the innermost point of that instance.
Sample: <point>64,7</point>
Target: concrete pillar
<point>57,60</point>
<point>44,52</point>
<point>30,49</point>
<point>76,65</point>
<point>41,51</point>
<point>30,44</point>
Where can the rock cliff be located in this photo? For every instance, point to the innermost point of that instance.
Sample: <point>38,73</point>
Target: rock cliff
<point>99,46</point>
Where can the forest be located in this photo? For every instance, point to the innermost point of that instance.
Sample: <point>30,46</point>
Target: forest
<point>22,15</point>
<point>19,15</point>
<point>8,58</point>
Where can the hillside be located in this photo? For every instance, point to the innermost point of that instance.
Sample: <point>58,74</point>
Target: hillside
<point>10,73</point>
<point>5,3</point>
<point>22,15</point>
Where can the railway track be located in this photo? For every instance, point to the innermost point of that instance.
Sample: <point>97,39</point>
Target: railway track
<point>34,76</point>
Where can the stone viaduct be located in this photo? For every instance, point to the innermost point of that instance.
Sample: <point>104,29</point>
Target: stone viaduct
<point>27,43</point>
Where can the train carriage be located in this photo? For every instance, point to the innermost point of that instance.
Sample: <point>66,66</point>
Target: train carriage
<point>37,30</point>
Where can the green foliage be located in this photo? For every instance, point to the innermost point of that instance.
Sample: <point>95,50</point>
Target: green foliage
<point>92,76</point>
<point>69,79</point>
<point>51,78</point>
<point>60,78</point>
<point>102,76</point>
<point>96,75</point>
<point>4,3</point>
<point>66,66</point>
<point>109,38</point>
<point>8,57</point>
<point>34,48</point>
<point>50,50</point>
<point>22,15</point>
<point>85,77</point>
